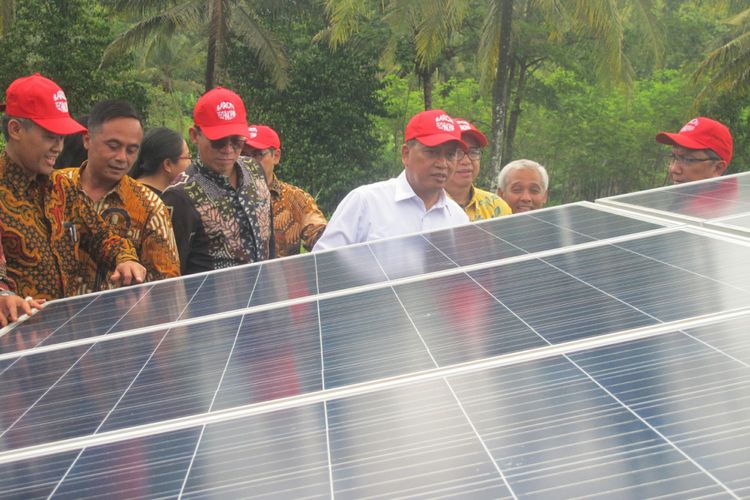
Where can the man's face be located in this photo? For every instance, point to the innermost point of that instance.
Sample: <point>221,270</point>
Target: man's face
<point>524,190</point>
<point>686,165</point>
<point>268,158</point>
<point>428,168</point>
<point>37,149</point>
<point>113,147</point>
<point>467,169</point>
<point>218,155</point>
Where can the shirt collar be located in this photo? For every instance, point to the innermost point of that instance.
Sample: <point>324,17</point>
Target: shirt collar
<point>404,191</point>
<point>76,176</point>
<point>218,179</point>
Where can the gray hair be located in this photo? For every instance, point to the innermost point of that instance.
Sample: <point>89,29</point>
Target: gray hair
<point>522,165</point>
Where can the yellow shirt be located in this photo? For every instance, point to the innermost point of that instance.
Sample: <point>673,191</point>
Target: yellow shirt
<point>485,205</point>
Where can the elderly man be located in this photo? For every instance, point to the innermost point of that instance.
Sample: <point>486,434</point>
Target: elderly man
<point>702,149</point>
<point>414,201</point>
<point>221,206</point>
<point>477,203</point>
<point>45,221</point>
<point>130,208</point>
<point>524,185</point>
<point>297,220</point>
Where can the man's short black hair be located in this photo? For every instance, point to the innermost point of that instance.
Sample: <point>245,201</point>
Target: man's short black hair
<point>111,109</point>
<point>25,122</point>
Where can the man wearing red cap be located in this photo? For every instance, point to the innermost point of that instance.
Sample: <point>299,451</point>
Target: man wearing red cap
<point>416,200</point>
<point>130,208</point>
<point>297,220</point>
<point>221,206</point>
<point>477,203</point>
<point>702,149</point>
<point>45,221</point>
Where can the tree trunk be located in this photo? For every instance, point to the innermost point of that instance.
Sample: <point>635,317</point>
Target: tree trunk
<point>515,111</point>
<point>426,77</point>
<point>214,14</point>
<point>500,87</point>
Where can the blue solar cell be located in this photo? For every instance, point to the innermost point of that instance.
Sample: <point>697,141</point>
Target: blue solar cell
<point>693,393</point>
<point>223,291</point>
<point>33,478</point>
<point>473,244</point>
<point>555,433</point>
<point>556,305</point>
<point>277,354</point>
<point>662,291</point>
<point>368,336</point>
<point>285,279</point>
<point>346,268</point>
<point>459,321</point>
<point>409,256</point>
<point>75,395</point>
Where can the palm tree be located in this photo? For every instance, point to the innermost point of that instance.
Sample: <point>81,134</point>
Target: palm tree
<point>427,25</point>
<point>502,49</point>
<point>727,67</point>
<point>215,20</point>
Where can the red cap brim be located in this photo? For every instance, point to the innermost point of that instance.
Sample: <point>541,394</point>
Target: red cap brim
<point>60,126</point>
<point>255,143</point>
<point>222,131</point>
<point>679,140</point>
<point>481,139</point>
<point>438,139</point>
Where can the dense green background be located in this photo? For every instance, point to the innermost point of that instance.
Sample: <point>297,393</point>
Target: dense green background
<point>341,111</point>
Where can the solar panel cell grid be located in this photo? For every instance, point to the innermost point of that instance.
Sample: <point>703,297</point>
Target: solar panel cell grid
<point>388,389</point>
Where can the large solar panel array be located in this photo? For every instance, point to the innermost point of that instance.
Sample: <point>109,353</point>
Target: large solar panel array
<point>579,350</point>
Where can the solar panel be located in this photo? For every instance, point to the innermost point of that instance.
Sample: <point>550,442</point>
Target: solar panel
<point>694,202</point>
<point>578,350</point>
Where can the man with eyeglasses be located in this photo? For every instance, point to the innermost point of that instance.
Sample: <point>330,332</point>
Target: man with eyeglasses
<point>46,223</point>
<point>702,149</point>
<point>221,206</point>
<point>477,203</point>
<point>414,201</point>
<point>130,208</point>
<point>297,220</point>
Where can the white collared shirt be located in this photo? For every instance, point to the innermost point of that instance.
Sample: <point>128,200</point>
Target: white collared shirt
<point>384,209</point>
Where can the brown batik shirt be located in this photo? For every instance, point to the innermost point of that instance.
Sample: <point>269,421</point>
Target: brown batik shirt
<point>296,218</point>
<point>46,224</point>
<point>135,212</point>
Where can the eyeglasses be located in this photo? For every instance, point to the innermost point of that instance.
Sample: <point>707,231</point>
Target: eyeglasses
<point>675,158</point>
<point>185,158</point>
<point>258,154</point>
<point>472,153</point>
<point>236,141</point>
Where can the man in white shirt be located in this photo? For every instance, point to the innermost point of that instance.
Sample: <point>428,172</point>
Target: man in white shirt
<point>412,202</point>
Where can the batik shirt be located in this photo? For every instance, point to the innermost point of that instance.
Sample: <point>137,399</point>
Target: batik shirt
<point>296,218</point>
<point>134,212</point>
<point>46,223</point>
<point>215,225</point>
<point>485,205</point>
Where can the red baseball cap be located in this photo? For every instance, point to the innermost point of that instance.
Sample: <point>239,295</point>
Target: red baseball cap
<point>701,133</point>
<point>42,101</point>
<point>220,113</point>
<point>262,137</point>
<point>468,128</point>
<point>432,128</point>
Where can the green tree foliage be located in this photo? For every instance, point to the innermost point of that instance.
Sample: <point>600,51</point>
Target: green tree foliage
<point>63,40</point>
<point>214,21</point>
<point>324,117</point>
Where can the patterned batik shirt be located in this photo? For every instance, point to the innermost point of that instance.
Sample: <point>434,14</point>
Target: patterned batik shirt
<point>485,205</point>
<point>296,218</point>
<point>134,212</point>
<point>6,284</point>
<point>46,224</point>
<point>217,226</point>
